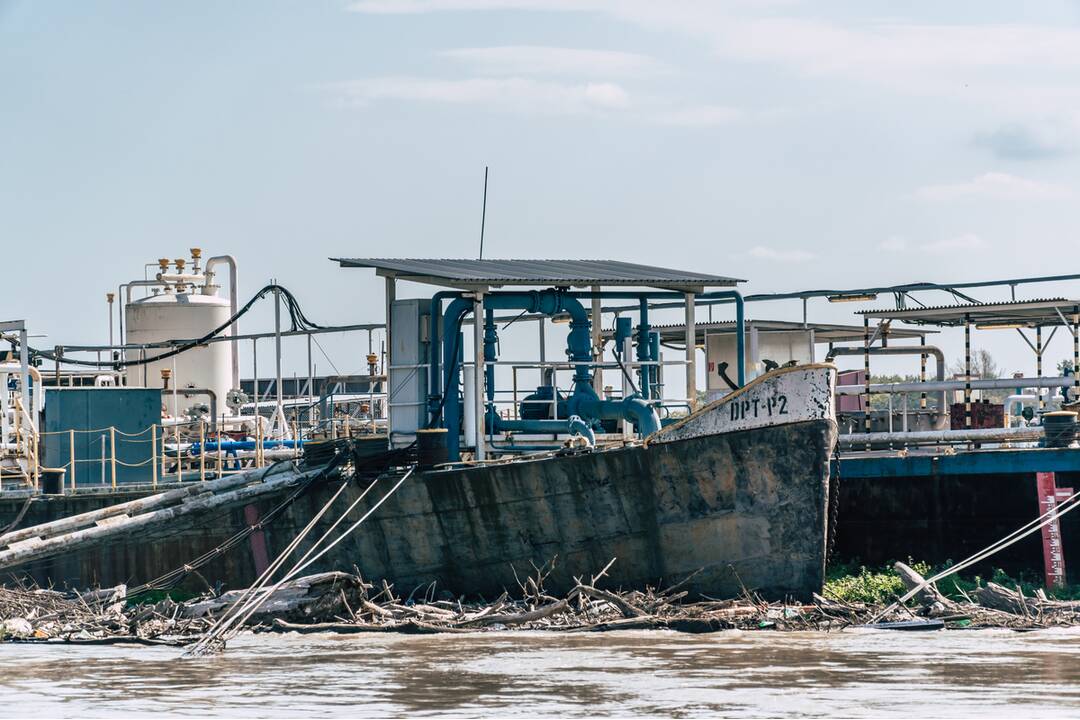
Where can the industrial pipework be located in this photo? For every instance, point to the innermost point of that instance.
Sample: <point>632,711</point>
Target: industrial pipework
<point>939,363</point>
<point>582,402</point>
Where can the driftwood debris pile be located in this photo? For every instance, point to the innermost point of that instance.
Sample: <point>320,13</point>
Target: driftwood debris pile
<point>98,617</point>
<point>345,603</point>
<point>107,617</point>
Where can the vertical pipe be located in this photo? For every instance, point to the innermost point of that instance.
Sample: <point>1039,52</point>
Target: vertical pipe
<point>103,459</point>
<point>691,353</point>
<point>153,454</point>
<point>311,379</point>
<point>24,379</point>
<point>71,452</point>
<point>220,460</point>
<point>479,371</point>
<point>202,450</point>
<point>967,372</point>
<point>279,412</point>
<point>491,340</point>
<point>112,452</point>
<point>541,323</point>
<point>179,458</point>
<point>643,348</point>
<point>740,336</point>
<point>1039,364</point>
<point>255,373</point>
<point>866,379</point>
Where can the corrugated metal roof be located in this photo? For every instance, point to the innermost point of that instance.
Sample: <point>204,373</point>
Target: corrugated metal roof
<point>581,273</point>
<point>1041,311</point>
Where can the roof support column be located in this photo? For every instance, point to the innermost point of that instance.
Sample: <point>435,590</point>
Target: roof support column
<point>391,296</point>
<point>598,351</point>
<point>866,378</point>
<point>691,353</point>
<point>479,392</point>
<point>1038,364</point>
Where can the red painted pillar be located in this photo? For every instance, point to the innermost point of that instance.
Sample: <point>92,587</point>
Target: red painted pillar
<point>1053,552</point>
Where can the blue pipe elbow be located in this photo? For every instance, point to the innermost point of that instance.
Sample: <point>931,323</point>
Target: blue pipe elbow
<point>577,426</point>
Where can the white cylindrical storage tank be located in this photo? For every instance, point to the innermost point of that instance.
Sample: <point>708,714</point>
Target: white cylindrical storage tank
<point>183,316</point>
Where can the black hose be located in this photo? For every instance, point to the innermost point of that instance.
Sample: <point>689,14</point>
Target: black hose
<point>298,320</point>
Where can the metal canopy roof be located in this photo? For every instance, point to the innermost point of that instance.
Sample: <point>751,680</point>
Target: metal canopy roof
<point>1020,313</point>
<point>562,273</point>
<point>823,332</point>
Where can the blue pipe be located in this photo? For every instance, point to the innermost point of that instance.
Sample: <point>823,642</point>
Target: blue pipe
<point>654,370</point>
<point>233,445</point>
<point>434,376</point>
<point>491,352</point>
<point>643,348</point>
<point>740,313</point>
<point>583,401</point>
<point>577,426</point>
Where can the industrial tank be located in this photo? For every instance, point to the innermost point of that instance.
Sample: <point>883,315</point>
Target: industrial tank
<point>185,315</point>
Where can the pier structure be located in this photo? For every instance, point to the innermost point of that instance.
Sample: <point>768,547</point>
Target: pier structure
<point>433,384</point>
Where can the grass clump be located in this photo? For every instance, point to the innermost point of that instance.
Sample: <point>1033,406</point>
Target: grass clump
<point>877,586</point>
<point>858,583</point>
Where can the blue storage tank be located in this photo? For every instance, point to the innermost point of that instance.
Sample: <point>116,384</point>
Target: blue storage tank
<point>90,412</point>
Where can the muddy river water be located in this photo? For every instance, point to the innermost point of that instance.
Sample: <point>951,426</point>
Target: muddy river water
<point>852,674</point>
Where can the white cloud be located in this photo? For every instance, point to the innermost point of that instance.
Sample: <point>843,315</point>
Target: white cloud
<point>700,116</point>
<point>544,60</point>
<point>961,243</point>
<point>515,94</point>
<point>762,252</point>
<point>994,185</point>
<point>1005,65</point>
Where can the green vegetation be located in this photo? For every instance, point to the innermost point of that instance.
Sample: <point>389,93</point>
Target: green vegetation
<point>851,583</point>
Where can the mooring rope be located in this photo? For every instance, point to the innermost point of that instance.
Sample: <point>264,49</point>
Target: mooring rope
<point>223,624</point>
<point>1012,538</point>
<point>232,622</point>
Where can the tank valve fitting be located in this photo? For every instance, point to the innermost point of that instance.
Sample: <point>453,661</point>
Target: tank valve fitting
<point>166,373</point>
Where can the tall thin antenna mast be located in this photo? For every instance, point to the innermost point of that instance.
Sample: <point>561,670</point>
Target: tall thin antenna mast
<point>483,214</point>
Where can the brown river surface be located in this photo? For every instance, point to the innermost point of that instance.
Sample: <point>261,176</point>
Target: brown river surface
<point>854,673</point>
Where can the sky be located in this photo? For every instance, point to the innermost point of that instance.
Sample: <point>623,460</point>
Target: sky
<point>793,144</point>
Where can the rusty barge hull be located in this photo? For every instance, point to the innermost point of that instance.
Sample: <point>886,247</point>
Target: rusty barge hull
<point>749,506</point>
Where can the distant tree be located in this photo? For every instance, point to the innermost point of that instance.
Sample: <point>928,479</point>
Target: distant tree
<point>983,366</point>
<point>881,402</point>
